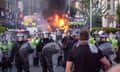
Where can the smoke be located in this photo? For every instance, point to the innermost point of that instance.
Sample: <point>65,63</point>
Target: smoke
<point>49,7</point>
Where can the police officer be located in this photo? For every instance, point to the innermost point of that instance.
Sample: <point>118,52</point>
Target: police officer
<point>103,40</point>
<point>46,59</point>
<point>113,40</point>
<point>35,41</point>
<point>117,59</point>
<point>92,40</point>
<point>118,39</point>
<point>6,62</point>
<point>20,51</point>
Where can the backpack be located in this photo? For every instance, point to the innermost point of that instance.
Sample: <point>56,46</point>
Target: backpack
<point>51,48</point>
<point>25,50</point>
<point>106,48</point>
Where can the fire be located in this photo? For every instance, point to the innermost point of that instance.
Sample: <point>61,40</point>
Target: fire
<point>59,21</point>
<point>50,29</point>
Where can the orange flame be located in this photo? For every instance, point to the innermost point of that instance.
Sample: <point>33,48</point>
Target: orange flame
<point>49,28</point>
<point>59,21</point>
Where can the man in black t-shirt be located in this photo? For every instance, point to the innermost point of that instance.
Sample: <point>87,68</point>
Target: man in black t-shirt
<point>83,59</point>
<point>67,43</point>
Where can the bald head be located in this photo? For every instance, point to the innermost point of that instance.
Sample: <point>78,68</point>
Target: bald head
<point>115,68</point>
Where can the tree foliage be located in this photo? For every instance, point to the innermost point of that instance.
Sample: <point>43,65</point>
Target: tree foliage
<point>73,10</point>
<point>96,11</point>
<point>95,6</point>
<point>118,13</point>
<point>8,25</point>
<point>107,29</point>
<point>96,21</point>
<point>2,29</point>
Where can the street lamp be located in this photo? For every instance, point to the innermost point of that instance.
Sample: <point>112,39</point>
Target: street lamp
<point>90,15</point>
<point>30,6</point>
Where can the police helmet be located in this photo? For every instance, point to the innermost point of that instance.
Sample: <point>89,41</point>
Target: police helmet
<point>118,32</point>
<point>103,35</point>
<point>20,34</point>
<point>96,33</point>
<point>76,33</point>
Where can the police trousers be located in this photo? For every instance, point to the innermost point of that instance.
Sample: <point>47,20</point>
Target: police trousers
<point>46,63</point>
<point>21,65</point>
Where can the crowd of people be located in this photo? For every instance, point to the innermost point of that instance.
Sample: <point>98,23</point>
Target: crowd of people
<point>79,52</point>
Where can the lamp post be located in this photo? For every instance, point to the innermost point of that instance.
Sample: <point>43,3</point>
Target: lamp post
<point>90,15</point>
<point>118,2</point>
<point>29,6</point>
<point>69,1</point>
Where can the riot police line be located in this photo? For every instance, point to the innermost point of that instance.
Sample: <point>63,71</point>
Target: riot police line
<point>43,47</point>
<point>17,52</point>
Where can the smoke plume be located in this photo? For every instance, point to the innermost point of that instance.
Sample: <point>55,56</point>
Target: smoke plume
<point>49,7</point>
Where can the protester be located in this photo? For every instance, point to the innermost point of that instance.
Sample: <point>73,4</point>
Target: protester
<point>67,42</point>
<point>83,59</point>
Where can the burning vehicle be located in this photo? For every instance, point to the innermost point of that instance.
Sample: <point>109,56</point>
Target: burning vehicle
<point>54,12</point>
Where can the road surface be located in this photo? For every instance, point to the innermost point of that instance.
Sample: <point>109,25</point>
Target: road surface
<point>39,69</point>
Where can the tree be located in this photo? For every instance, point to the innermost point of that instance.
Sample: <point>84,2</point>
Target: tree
<point>2,29</point>
<point>118,14</point>
<point>97,8</point>
<point>73,10</point>
<point>96,21</point>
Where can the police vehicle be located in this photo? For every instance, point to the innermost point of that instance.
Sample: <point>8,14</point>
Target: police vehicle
<point>11,33</point>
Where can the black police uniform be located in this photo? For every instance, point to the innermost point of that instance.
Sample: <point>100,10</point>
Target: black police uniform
<point>46,59</point>
<point>19,62</point>
<point>117,59</point>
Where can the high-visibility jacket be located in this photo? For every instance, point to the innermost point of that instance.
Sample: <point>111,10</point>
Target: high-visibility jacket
<point>10,44</point>
<point>113,41</point>
<point>4,47</point>
<point>92,40</point>
<point>35,41</point>
<point>1,45</point>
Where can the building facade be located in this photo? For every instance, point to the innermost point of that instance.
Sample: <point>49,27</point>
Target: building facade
<point>31,6</point>
<point>109,13</point>
<point>2,8</point>
<point>24,6</point>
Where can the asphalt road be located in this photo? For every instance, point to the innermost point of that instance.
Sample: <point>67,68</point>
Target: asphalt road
<point>39,69</point>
